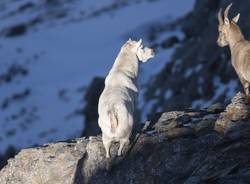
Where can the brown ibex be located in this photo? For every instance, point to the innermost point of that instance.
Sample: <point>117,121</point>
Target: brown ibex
<point>230,34</point>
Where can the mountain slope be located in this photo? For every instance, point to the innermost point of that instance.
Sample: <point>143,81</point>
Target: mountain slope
<point>52,49</point>
<point>199,73</point>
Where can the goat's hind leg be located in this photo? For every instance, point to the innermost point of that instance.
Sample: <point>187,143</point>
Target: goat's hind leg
<point>123,142</point>
<point>107,144</point>
<point>245,85</point>
<point>246,89</point>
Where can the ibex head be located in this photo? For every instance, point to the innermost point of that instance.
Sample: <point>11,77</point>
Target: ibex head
<point>225,26</point>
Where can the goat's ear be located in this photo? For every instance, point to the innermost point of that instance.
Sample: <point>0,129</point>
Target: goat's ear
<point>129,39</point>
<point>236,18</point>
<point>139,43</point>
<point>226,21</point>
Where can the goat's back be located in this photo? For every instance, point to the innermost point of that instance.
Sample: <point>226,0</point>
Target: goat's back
<point>241,60</point>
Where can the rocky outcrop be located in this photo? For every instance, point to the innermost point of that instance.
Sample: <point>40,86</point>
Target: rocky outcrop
<point>191,146</point>
<point>9,153</point>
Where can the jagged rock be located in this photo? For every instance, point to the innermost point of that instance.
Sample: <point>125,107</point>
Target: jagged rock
<point>170,42</point>
<point>13,72</point>
<point>234,114</point>
<point>187,150</point>
<point>179,132</point>
<point>217,107</point>
<point>16,30</point>
<point>238,110</point>
<point>15,97</point>
<point>168,121</point>
<point>205,125</point>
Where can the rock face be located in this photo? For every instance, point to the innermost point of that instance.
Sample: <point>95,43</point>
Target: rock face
<point>233,115</point>
<point>190,147</point>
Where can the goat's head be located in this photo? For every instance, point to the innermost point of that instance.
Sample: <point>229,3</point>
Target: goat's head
<point>225,25</point>
<point>143,53</point>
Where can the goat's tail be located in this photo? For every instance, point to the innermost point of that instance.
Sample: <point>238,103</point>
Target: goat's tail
<point>113,120</point>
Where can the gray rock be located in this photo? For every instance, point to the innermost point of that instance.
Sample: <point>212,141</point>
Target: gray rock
<point>16,30</point>
<point>217,107</point>
<point>234,114</point>
<point>189,151</point>
<point>238,110</point>
<point>170,42</point>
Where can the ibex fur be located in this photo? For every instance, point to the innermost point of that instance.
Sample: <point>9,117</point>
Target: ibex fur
<point>230,34</point>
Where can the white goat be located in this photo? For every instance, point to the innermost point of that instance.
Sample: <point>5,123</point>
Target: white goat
<point>230,34</point>
<point>117,101</point>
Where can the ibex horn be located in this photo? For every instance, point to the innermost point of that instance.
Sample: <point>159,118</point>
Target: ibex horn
<point>227,10</point>
<point>220,17</point>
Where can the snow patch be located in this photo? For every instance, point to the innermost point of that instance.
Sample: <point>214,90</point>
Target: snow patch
<point>228,90</point>
<point>168,94</point>
<point>65,54</point>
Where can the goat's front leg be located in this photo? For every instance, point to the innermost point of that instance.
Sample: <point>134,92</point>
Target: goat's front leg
<point>245,85</point>
<point>246,89</point>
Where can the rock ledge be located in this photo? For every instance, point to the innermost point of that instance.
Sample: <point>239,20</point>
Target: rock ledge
<point>191,146</point>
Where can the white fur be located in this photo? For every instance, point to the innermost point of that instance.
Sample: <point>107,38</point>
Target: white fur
<point>117,101</point>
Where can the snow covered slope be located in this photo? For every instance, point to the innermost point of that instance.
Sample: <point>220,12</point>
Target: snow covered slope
<point>51,49</point>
